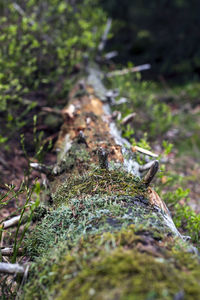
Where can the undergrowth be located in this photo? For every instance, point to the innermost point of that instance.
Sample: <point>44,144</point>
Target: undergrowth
<point>42,44</point>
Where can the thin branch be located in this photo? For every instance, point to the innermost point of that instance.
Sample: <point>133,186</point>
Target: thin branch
<point>12,268</point>
<point>144,151</point>
<point>11,222</point>
<point>129,70</point>
<point>22,12</point>
<point>9,251</point>
<point>105,35</point>
<point>110,55</point>
<point>41,168</point>
<point>128,119</point>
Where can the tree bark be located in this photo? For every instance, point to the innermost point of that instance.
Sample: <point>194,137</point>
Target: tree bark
<point>108,234</point>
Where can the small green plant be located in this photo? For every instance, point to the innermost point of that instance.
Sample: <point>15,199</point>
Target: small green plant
<point>187,219</point>
<point>42,43</point>
<point>26,213</point>
<point>167,147</point>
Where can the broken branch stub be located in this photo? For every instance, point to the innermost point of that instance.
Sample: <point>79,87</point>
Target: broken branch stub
<point>151,173</point>
<point>103,158</point>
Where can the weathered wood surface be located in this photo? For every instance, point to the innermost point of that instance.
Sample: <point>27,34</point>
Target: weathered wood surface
<point>108,235</point>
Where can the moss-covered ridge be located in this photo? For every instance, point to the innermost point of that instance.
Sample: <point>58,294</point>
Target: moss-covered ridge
<point>99,181</point>
<point>128,264</point>
<point>103,240</point>
<point>92,215</point>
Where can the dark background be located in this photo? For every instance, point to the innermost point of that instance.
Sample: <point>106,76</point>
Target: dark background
<point>165,33</point>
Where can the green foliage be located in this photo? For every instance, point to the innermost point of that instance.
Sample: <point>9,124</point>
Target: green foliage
<point>32,196</point>
<point>187,219</point>
<point>41,42</point>
<point>167,147</point>
<point>152,116</point>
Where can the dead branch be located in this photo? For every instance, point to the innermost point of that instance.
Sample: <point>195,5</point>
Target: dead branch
<point>41,168</point>
<point>129,70</point>
<point>105,35</point>
<point>12,269</point>
<point>12,222</point>
<point>9,251</point>
<point>128,119</point>
<point>144,151</point>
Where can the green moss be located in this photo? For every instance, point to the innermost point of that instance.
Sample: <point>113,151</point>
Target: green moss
<point>98,181</point>
<point>129,264</point>
<point>89,215</point>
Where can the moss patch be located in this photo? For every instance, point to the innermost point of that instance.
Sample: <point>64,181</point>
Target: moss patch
<point>128,264</point>
<point>92,214</point>
<point>99,182</point>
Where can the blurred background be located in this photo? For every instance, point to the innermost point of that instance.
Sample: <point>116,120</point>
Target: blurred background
<point>164,33</point>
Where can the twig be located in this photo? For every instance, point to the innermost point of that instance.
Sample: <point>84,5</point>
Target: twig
<point>110,55</point>
<point>41,168</point>
<point>12,268</point>
<point>22,12</point>
<point>11,222</point>
<point>129,70</point>
<point>105,35</point>
<point>9,251</point>
<point>128,119</point>
<point>52,110</point>
<point>144,151</point>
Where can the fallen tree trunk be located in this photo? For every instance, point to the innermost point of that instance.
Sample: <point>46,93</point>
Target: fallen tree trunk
<point>108,234</point>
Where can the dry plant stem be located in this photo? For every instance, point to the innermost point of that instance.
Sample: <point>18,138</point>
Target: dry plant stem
<point>12,222</point>
<point>11,269</point>
<point>129,70</point>
<point>9,251</point>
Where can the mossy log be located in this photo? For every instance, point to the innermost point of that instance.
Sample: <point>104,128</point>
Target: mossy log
<point>107,235</point>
